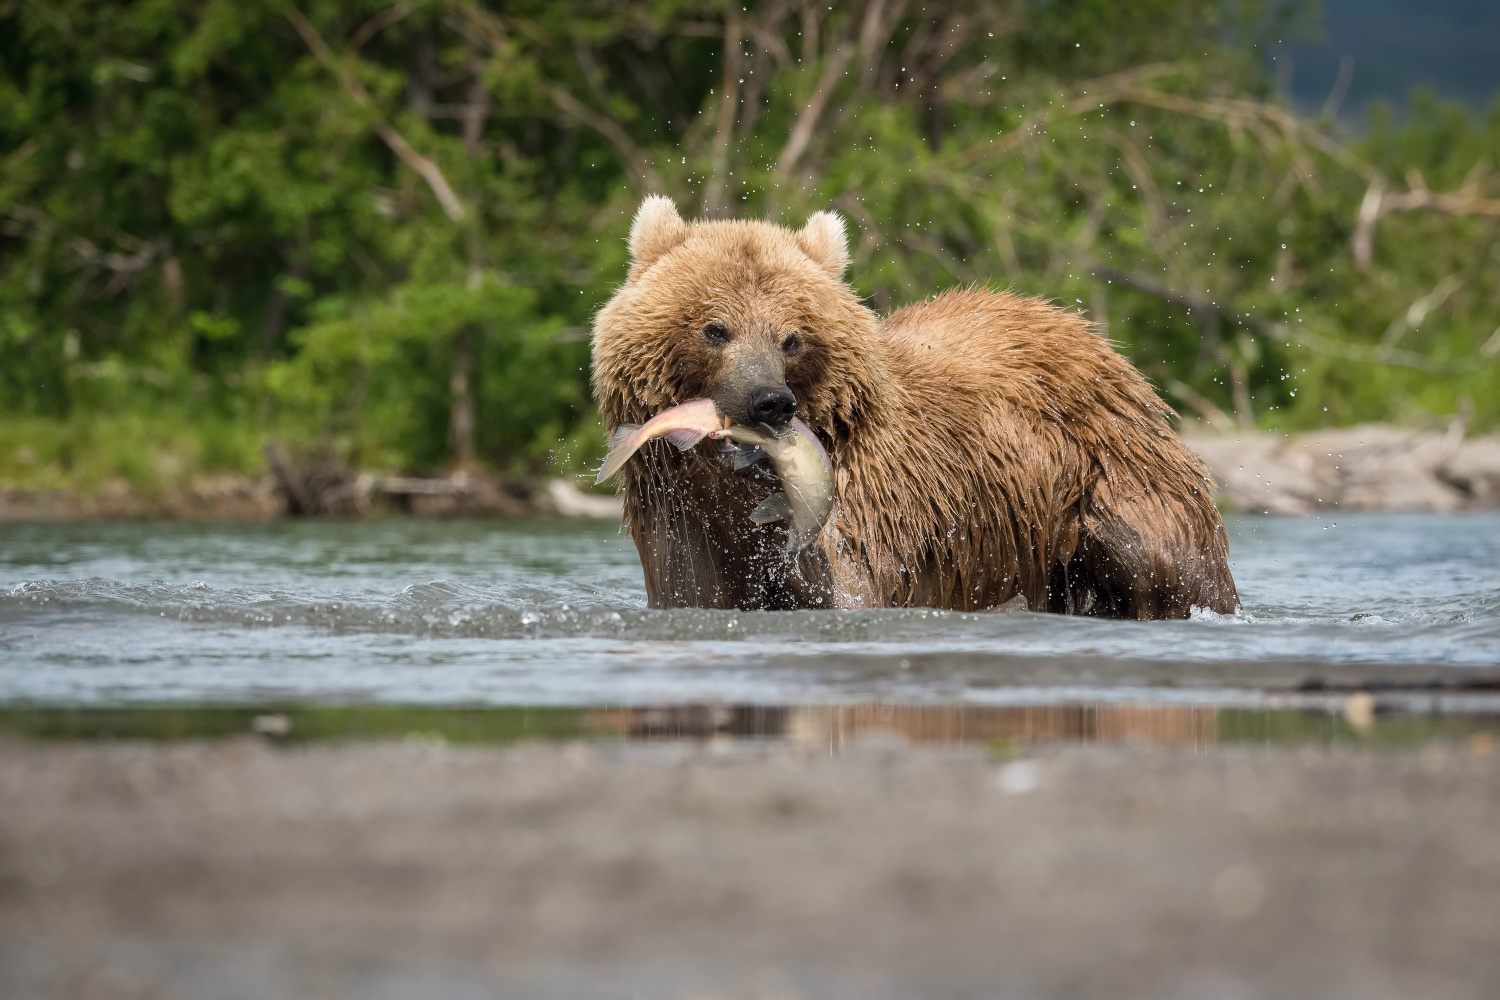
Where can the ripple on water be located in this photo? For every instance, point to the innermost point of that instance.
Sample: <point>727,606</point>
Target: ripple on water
<point>551,612</point>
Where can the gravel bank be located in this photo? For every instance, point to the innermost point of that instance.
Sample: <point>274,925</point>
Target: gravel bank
<point>236,870</point>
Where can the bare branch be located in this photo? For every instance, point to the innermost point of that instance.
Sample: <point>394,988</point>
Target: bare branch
<point>1204,407</point>
<point>646,178</point>
<point>491,34</point>
<point>1470,185</point>
<point>1206,309</point>
<point>123,267</point>
<point>812,20</point>
<point>474,113</point>
<point>21,153</point>
<point>767,37</point>
<point>314,42</point>
<point>1292,126</point>
<point>1455,203</point>
<point>1130,86</point>
<point>875,31</point>
<point>965,86</point>
<point>1004,241</point>
<point>1377,354</point>
<point>379,23</point>
<point>1418,310</point>
<point>807,120</point>
<point>428,169</point>
<point>696,29</point>
<point>715,194</point>
<point>874,36</point>
<point>636,162</point>
<point>765,32</point>
<point>1140,172</point>
<point>1340,86</point>
<point>1089,96</point>
<point>1364,222</point>
<point>425,168</point>
<point>1378,202</point>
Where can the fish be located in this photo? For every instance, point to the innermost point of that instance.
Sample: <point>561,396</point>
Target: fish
<point>797,458</point>
<point>684,425</point>
<point>800,462</point>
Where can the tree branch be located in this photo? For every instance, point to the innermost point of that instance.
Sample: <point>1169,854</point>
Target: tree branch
<point>487,25</point>
<point>807,120</point>
<point>1203,406</point>
<point>1129,86</point>
<point>379,23</point>
<point>425,168</point>
<point>1364,222</point>
<point>715,194</point>
<point>1378,353</point>
<point>1091,94</point>
<point>1194,303</point>
<point>646,179</point>
<point>474,113</point>
<point>764,32</point>
<point>1243,111</point>
<point>1377,202</point>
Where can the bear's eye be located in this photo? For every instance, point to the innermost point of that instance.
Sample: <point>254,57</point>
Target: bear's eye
<point>716,332</point>
<point>793,343</point>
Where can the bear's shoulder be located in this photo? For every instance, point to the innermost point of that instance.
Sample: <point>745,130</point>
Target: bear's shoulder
<point>981,317</point>
<point>1005,344</point>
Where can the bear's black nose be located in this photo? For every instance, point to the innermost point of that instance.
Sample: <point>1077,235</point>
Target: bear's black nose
<point>771,404</point>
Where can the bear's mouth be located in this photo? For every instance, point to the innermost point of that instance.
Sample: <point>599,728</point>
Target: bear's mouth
<point>794,457</point>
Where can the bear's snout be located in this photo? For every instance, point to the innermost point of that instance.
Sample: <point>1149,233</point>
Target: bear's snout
<point>771,404</point>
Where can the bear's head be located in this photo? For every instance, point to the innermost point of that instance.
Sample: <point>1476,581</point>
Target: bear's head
<point>755,316</point>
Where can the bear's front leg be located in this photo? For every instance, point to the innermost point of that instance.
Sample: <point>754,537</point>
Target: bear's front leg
<point>689,514</point>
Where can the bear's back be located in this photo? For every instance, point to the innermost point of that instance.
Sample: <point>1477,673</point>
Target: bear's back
<point>1027,351</point>
<point>1013,422</point>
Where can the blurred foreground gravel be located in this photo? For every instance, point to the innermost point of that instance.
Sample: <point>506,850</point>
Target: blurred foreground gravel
<point>380,870</point>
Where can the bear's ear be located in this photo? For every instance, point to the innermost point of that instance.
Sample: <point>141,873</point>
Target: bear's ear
<point>657,228</point>
<point>824,241</point>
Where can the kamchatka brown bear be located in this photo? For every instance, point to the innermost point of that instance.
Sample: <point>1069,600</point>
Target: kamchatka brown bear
<point>984,445</point>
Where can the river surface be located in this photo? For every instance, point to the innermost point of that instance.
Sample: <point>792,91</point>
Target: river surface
<point>548,612</point>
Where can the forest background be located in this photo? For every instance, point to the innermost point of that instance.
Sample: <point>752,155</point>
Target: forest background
<point>379,232</point>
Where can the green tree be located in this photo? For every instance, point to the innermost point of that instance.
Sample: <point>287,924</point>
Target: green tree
<point>383,228</point>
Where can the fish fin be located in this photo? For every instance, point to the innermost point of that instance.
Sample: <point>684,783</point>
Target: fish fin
<point>744,456</point>
<point>773,508</point>
<point>615,459</point>
<point>684,438</point>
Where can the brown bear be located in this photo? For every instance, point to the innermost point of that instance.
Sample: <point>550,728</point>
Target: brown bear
<point>984,445</point>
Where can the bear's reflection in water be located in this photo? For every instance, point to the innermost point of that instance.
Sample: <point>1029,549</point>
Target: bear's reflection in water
<point>837,726</point>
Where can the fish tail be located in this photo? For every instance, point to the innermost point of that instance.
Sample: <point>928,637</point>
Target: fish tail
<point>618,452</point>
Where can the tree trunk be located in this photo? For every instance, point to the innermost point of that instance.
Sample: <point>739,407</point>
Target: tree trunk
<point>461,424</point>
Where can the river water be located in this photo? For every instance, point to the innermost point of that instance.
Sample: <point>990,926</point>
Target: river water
<point>547,612</point>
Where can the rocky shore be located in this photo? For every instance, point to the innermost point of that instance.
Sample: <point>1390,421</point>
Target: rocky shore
<point>1367,468</point>
<point>1374,467</point>
<point>235,497</point>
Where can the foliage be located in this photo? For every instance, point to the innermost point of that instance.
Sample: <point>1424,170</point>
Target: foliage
<point>236,221</point>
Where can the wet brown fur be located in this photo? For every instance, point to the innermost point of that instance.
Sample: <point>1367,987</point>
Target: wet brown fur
<point>985,445</point>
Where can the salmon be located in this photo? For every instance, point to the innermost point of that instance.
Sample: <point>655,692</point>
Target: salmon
<point>797,458</point>
<point>683,425</point>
